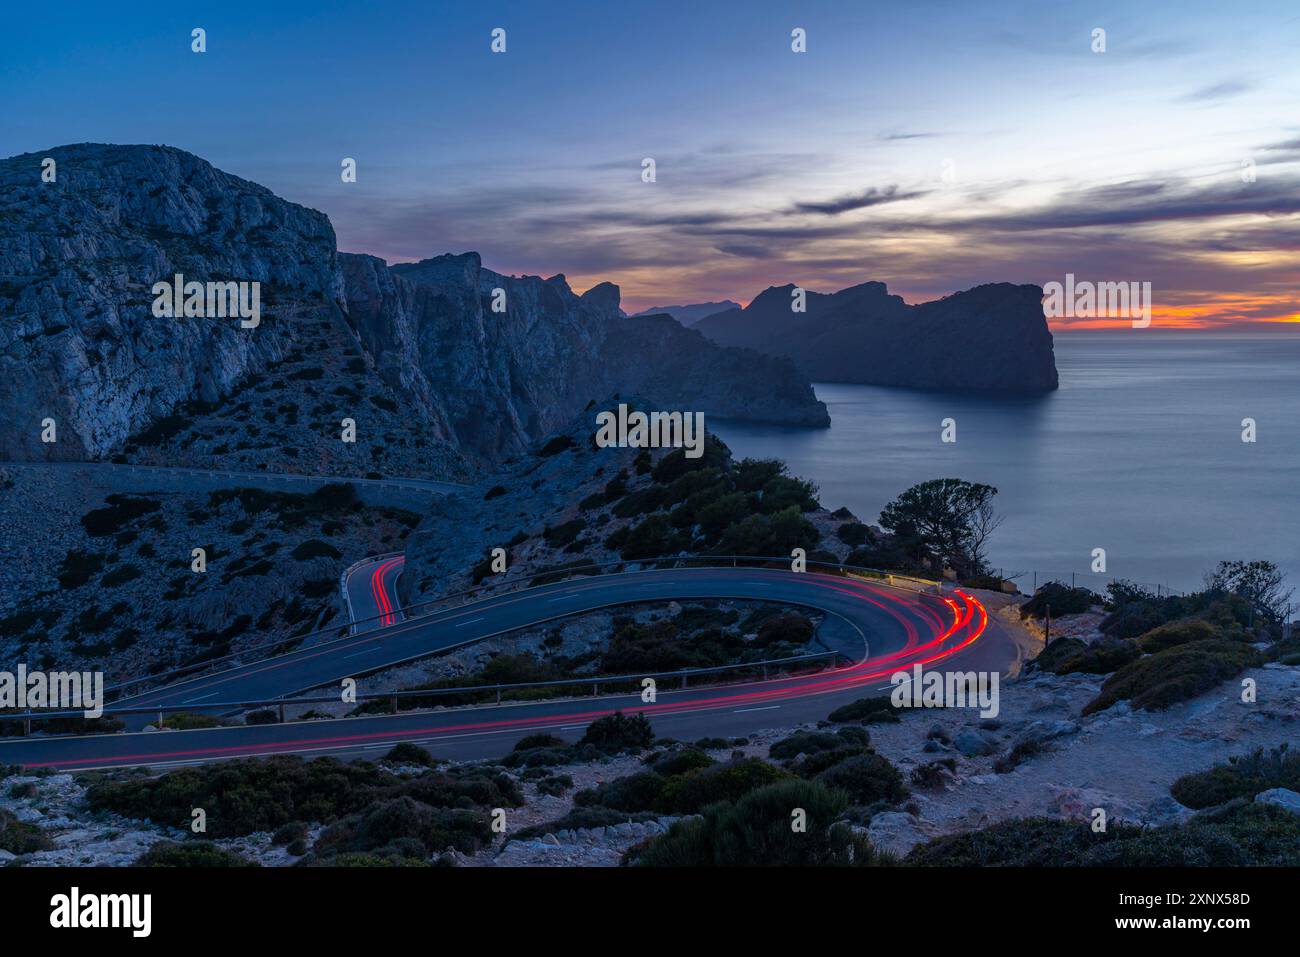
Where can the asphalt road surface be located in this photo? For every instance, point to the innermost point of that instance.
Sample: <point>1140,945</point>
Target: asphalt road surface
<point>890,628</point>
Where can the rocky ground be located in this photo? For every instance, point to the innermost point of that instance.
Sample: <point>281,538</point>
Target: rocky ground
<point>116,592</point>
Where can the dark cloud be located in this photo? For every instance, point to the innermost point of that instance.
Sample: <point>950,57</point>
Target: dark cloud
<point>745,250</point>
<point>863,200</point>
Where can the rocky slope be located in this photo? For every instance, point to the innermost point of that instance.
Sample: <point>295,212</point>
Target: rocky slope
<point>522,373</point>
<point>80,345</point>
<point>992,338</point>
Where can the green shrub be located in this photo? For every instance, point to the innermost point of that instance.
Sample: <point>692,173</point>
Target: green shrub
<point>1062,599</point>
<point>79,567</point>
<point>187,721</point>
<point>689,793</point>
<point>315,548</point>
<point>407,753</point>
<point>618,732</point>
<point>1070,655</point>
<point>933,775</point>
<point>555,786</point>
<point>190,854</point>
<point>556,445</point>
<point>852,533</point>
<point>770,535</point>
<point>403,827</point>
<point>288,833</point>
<point>563,534</point>
<point>804,742</point>
<point>581,818</point>
<point>654,537</point>
<point>675,464</point>
<point>642,791</point>
<point>121,511</point>
<point>1242,777</point>
<point>1243,835</point>
<point>866,779</point>
<point>866,711</point>
<point>756,832</point>
<point>1177,633</point>
<point>678,761</point>
<point>790,627</point>
<point>19,837</point>
<point>1022,751</point>
<point>1176,674</point>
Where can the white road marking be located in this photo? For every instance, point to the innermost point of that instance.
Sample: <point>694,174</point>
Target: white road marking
<point>470,622</point>
<point>199,698</point>
<point>562,598</point>
<point>357,654</point>
<point>747,710</point>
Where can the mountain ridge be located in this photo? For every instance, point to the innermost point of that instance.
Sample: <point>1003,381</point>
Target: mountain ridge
<point>866,335</point>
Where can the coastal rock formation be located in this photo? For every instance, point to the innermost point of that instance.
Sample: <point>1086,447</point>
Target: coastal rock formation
<point>412,355</point>
<point>78,257</point>
<point>501,380</point>
<point>992,338</point>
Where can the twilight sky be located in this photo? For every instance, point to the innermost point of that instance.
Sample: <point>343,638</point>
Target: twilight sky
<point>930,145</point>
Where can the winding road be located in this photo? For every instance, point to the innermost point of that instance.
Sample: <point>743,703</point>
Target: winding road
<point>881,629</point>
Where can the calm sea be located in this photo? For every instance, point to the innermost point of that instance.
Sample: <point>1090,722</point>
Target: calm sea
<point>1139,453</point>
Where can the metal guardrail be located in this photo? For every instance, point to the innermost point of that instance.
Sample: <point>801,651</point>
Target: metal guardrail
<point>684,674</point>
<point>428,608</point>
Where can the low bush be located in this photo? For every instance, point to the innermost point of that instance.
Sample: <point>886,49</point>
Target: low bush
<point>1021,752</point>
<point>1242,777</point>
<point>1062,599</point>
<point>1070,655</point>
<point>755,831</point>
<point>190,854</point>
<point>852,533</point>
<point>933,775</point>
<point>865,711</point>
<point>1177,633</point>
<point>20,837</point>
<point>866,779</point>
<point>403,827</point>
<point>1167,677</point>
<point>691,792</point>
<point>678,761</point>
<point>617,732</point>
<point>642,791</point>
<point>1243,835</point>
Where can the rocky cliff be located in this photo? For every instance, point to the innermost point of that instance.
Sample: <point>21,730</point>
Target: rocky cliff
<point>525,371</point>
<point>992,338</point>
<point>411,355</point>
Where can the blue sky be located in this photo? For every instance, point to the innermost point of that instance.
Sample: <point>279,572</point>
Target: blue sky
<point>930,145</point>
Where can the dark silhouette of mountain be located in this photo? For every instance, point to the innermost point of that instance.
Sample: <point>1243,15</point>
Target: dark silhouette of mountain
<point>992,338</point>
<point>414,355</point>
<point>690,315</point>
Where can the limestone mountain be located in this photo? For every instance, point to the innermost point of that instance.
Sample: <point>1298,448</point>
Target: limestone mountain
<point>992,338</point>
<point>431,378</point>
